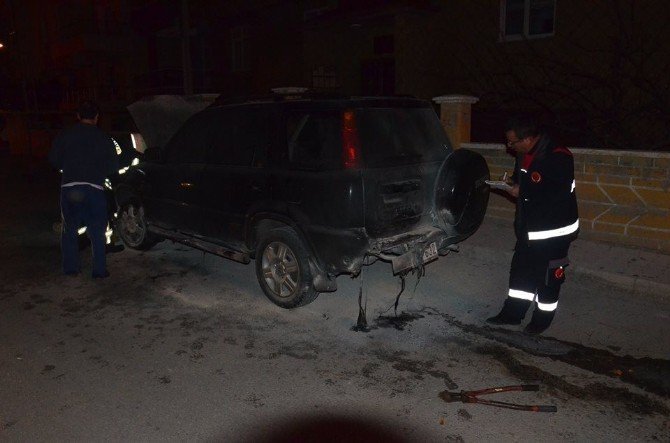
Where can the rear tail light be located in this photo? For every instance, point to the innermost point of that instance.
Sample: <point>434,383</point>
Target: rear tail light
<point>350,143</point>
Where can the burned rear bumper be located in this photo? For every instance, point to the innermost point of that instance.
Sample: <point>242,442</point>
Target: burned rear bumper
<point>346,251</point>
<point>412,250</point>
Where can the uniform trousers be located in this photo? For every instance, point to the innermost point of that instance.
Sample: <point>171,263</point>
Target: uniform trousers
<point>536,275</point>
<point>83,205</point>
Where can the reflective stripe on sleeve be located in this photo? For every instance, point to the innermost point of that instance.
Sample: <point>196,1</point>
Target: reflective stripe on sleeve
<point>515,293</point>
<point>551,233</point>
<point>547,307</point>
<point>574,185</point>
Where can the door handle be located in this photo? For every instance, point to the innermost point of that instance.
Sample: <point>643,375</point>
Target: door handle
<point>186,185</point>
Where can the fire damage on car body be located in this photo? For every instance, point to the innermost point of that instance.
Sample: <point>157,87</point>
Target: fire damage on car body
<point>308,186</point>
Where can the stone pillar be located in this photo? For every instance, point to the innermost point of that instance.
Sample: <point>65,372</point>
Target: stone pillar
<point>455,115</point>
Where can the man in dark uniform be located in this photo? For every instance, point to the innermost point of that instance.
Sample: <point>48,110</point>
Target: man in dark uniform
<point>85,155</point>
<point>545,223</point>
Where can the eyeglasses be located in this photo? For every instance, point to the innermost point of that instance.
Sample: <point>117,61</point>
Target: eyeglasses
<point>511,143</point>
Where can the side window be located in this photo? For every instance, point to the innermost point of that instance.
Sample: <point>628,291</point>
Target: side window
<point>314,139</point>
<point>526,19</point>
<point>241,136</point>
<point>190,143</point>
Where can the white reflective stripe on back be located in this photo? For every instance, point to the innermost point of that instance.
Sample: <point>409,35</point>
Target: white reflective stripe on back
<point>547,307</point>
<point>574,185</point>
<point>515,293</point>
<point>565,230</point>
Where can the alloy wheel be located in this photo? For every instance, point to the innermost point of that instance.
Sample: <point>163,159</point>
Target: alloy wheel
<point>280,269</point>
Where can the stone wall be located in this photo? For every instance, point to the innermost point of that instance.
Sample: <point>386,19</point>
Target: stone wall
<point>623,196</point>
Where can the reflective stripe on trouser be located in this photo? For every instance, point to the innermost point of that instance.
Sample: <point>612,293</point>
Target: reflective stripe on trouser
<point>531,279</point>
<point>553,233</point>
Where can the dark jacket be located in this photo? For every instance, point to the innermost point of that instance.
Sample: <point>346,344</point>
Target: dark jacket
<point>85,154</point>
<point>547,204</point>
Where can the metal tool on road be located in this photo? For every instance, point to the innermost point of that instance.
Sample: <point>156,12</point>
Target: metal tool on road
<point>472,397</point>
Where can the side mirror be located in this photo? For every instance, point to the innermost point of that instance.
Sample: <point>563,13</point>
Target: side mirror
<point>152,154</point>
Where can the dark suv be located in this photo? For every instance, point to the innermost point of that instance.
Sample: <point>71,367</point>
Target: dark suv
<point>310,187</point>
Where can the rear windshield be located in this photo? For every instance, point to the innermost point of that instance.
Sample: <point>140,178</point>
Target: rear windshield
<point>400,136</point>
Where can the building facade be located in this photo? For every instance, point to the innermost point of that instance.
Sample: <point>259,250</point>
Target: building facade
<point>595,71</point>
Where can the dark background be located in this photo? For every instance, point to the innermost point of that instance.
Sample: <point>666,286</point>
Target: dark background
<point>595,72</point>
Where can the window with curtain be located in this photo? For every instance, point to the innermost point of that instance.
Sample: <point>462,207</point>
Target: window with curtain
<point>526,19</point>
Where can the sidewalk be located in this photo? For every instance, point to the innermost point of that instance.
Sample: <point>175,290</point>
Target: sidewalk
<point>637,270</point>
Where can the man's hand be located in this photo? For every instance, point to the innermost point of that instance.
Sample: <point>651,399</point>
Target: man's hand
<point>514,191</point>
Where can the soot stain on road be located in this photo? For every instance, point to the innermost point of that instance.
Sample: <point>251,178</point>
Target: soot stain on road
<point>70,305</point>
<point>301,351</point>
<point>399,322</point>
<point>418,368</point>
<point>635,403</point>
<point>650,374</point>
<point>39,299</point>
<point>464,414</point>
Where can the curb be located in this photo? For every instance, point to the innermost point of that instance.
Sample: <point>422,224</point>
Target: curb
<point>634,284</point>
<point>628,282</point>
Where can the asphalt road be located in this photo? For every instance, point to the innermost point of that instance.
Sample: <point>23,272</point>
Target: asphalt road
<point>181,346</point>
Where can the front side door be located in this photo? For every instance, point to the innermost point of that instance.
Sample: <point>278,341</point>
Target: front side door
<point>173,187</point>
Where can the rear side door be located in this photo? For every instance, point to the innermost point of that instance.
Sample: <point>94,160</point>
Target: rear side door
<point>237,177</point>
<point>171,198</point>
<point>318,192</point>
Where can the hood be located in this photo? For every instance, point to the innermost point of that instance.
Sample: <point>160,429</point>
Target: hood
<point>159,116</point>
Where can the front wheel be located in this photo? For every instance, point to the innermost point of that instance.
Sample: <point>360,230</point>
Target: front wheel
<point>282,269</point>
<point>132,227</point>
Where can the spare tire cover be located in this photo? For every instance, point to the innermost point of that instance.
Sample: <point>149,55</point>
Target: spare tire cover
<point>461,194</point>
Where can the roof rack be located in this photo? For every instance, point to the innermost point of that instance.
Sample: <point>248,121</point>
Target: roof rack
<point>281,95</point>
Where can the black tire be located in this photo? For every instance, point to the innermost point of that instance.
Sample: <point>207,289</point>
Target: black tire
<point>461,194</point>
<point>132,228</point>
<point>282,269</point>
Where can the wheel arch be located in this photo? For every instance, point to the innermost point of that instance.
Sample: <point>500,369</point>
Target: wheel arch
<point>265,222</point>
<point>126,194</point>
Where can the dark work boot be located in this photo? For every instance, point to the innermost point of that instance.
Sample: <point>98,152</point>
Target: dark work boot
<point>503,319</point>
<point>100,275</point>
<point>540,322</point>
<point>512,312</point>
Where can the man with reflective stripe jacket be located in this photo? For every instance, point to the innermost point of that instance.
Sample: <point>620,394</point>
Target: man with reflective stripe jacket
<point>86,155</point>
<point>545,223</point>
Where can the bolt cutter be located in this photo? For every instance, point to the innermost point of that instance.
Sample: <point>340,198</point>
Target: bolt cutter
<point>472,397</point>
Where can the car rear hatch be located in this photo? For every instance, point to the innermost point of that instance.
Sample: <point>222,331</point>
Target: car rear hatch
<point>402,149</point>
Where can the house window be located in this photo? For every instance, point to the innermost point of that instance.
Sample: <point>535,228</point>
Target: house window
<point>526,19</point>
<point>238,42</point>
<point>325,77</point>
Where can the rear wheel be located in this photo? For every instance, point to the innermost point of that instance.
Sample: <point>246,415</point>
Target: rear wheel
<point>282,269</point>
<point>132,227</point>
